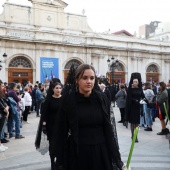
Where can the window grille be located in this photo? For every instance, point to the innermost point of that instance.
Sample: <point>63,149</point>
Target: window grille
<point>152,69</point>
<point>20,62</point>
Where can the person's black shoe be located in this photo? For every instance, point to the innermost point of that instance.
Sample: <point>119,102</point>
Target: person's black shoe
<point>10,136</point>
<point>5,134</point>
<point>163,132</point>
<point>120,121</point>
<point>19,137</point>
<point>136,140</point>
<point>4,140</point>
<point>148,129</point>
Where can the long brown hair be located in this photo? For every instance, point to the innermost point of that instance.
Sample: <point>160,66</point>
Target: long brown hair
<point>1,91</point>
<point>80,70</point>
<point>163,86</point>
<point>147,86</point>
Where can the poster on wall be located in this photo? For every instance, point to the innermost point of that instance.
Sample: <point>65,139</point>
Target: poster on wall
<point>49,68</point>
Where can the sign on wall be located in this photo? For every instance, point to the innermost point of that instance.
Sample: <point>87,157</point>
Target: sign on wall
<point>49,68</point>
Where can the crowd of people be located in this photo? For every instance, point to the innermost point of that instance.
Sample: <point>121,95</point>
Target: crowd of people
<point>78,118</point>
<point>16,103</point>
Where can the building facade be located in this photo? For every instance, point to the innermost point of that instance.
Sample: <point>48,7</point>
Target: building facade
<point>30,33</point>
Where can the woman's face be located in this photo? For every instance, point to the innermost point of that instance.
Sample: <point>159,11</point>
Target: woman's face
<point>15,88</point>
<point>57,90</point>
<point>160,88</point>
<point>135,83</point>
<point>86,82</point>
<point>2,86</point>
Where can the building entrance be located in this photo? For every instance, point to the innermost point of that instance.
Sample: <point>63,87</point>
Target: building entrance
<point>20,71</point>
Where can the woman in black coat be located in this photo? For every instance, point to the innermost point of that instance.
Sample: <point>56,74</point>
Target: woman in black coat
<point>84,137</point>
<point>49,111</point>
<point>134,95</point>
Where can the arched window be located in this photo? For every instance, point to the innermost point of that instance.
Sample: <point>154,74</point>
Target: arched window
<point>20,62</point>
<point>75,62</point>
<point>152,69</point>
<point>117,67</point>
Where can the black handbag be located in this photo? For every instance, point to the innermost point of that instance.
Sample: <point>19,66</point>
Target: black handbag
<point>151,105</point>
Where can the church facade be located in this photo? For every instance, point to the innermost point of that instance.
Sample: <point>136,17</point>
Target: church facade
<point>41,41</point>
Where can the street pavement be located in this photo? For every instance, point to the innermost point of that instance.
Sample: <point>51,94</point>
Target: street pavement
<point>151,153</point>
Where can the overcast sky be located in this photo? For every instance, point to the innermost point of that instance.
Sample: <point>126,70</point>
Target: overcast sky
<point>116,15</point>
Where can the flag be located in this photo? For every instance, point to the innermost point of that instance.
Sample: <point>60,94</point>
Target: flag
<point>46,79</point>
<point>52,76</point>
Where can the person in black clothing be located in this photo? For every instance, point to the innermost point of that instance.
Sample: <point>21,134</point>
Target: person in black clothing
<point>84,137</point>
<point>49,110</point>
<point>134,95</point>
<point>34,103</point>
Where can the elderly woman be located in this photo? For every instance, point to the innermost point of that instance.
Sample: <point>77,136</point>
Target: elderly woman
<point>121,101</point>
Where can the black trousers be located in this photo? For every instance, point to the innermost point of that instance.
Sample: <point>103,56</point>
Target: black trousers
<point>25,114</point>
<point>122,113</point>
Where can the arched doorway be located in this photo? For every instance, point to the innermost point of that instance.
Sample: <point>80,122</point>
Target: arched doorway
<point>68,65</point>
<point>152,73</point>
<point>116,74</point>
<point>20,70</point>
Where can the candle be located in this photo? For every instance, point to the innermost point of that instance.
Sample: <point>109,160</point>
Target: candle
<point>132,147</point>
<point>166,111</point>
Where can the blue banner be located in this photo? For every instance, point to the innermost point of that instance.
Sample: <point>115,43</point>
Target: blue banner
<point>49,68</point>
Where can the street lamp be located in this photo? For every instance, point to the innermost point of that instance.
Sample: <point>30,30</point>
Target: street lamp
<point>4,55</point>
<point>112,64</point>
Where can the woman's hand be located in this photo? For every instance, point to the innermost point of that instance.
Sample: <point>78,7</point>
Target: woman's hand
<point>44,130</point>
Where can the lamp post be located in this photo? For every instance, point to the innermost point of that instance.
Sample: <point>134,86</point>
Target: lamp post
<point>4,55</point>
<point>112,64</point>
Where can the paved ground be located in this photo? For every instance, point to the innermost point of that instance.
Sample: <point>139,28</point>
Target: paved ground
<point>151,153</point>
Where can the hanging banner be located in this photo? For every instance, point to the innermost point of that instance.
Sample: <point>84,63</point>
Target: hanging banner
<point>49,68</point>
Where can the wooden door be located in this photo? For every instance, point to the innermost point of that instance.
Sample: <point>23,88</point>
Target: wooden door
<point>116,77</point>
<point>20,75</point>
<point>152,77</point>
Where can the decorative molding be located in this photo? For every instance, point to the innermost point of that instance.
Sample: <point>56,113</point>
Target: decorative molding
<point>133,58</point>
<point>167,61</point>
<point>49,18</point>
<point>137,58</point>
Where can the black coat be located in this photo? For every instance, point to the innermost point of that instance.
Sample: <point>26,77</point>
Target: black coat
<point>132,109</point>
<point>67,122</point>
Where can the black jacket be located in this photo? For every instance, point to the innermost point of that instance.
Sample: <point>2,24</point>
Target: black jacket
<point>67,122</point>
